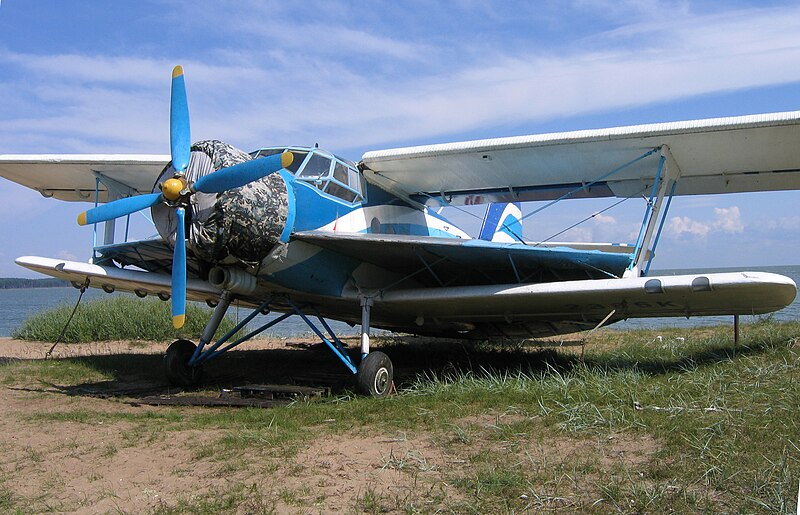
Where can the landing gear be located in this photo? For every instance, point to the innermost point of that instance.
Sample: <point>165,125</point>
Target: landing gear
<point>184,361</point>
<point>176,364</point>
<point>375,373</point>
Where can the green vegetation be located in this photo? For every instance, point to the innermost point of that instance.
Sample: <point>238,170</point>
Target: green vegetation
<point>688,422</point>
<point>116,318</point>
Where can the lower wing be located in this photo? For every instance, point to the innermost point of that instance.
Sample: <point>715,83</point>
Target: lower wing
<point>505,311</point>
<point>568,306</point>
<point>111,278</point>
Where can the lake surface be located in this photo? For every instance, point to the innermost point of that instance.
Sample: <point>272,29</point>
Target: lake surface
<point>18,304</point>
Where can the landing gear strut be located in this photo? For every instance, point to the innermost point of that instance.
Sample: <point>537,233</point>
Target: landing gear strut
<point>176,364</point>
<point>375,372</point>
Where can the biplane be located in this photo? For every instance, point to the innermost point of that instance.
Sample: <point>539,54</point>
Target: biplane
<point>301,231</point>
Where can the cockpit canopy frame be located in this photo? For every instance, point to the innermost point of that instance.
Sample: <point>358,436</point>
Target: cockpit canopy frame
<point>323,170</point>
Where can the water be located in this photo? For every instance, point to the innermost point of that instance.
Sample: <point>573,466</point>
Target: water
<point>18,304</point>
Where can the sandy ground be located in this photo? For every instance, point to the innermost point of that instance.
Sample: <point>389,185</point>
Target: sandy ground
<point>101,466</point>
<point>91,463</point>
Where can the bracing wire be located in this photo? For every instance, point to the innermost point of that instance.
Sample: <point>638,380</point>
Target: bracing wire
<point>64,330</point>
<point>615,204</point>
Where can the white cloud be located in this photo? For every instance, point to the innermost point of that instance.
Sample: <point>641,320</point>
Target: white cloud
<point>679,225</point>
<point>577,234</point>
<point>788,223</point>
<point>602,219</point>
<point>728,220</point>
<point>358,87</point>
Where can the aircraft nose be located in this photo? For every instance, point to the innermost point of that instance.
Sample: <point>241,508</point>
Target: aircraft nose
<point>251,219</point>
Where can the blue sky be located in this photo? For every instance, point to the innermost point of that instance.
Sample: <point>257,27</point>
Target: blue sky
<point>93,77</point>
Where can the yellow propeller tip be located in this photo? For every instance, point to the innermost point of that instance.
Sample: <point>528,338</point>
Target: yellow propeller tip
<point>286,159</point>
<point>178,321</point>
<point>177,71</point>
<point>82,218</point>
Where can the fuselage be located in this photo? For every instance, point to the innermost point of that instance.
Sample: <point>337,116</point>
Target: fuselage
<point>330,194</point>
<point>327,193</point>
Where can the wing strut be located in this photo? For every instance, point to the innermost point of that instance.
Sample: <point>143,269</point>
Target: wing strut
<point>666,179</point>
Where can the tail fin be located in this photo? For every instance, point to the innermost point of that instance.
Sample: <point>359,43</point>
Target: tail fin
<point>502,223</point>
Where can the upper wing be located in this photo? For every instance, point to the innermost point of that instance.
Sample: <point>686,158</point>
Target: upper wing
<point>74,177</point>
<point>721,155</point>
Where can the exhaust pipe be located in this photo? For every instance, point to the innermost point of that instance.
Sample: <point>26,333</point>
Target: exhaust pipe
<point>234,280</point>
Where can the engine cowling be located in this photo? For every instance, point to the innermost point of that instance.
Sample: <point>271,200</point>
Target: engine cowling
<point>239,225</point>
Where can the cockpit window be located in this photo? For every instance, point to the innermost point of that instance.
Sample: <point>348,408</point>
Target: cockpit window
<point>299,157</point>
<point>355,179</point>
<point>317,166</point>
<point>337,190</point>
<point>340,172</point>
<point>266,152</point>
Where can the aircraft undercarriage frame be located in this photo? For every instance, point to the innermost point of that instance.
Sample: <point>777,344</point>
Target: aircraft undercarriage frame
<point>373,373</point>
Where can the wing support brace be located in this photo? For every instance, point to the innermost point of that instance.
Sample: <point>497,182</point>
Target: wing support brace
<point>115,190</point>
<point>205,352</point>
<point>663,188</point>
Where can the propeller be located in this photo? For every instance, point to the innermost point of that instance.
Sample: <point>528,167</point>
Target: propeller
<point>179,272</point>
<point>180,140</point>
<point>176,191</point>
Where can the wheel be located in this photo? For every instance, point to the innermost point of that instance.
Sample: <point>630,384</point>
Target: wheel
<point>176,365</point>
<point>375,374</point>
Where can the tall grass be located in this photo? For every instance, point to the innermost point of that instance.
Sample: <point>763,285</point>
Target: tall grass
<point>116,318</point>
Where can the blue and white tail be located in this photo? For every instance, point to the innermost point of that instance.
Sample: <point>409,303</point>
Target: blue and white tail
<point>502,223</point>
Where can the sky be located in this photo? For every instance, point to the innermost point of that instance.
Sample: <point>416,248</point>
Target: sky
<point>93,77</point>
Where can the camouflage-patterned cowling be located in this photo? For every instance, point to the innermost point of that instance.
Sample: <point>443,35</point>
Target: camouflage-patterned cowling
<point>239,225</point>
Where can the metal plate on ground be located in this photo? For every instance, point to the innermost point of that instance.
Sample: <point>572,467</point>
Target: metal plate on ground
<point>251,395</point>
<point>194,400</point>
<point>273,391</point>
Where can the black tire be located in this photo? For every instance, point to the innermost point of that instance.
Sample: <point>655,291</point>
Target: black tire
<point>176,360</point>
<point>375,374</point>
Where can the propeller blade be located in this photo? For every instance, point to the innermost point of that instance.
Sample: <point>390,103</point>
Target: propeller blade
<point>179,135</point>
<point>179,273</point>
<point>243,173</point>
<point>117,208</point>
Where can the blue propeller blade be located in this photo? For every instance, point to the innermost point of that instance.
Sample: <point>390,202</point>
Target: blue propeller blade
<point>179,273</point>
<point>243,173</point>
<point>117,208</point>
<point>179,135</point>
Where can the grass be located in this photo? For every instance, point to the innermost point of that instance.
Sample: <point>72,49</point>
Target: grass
<point>689,422</point>
<point>116,318</point>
